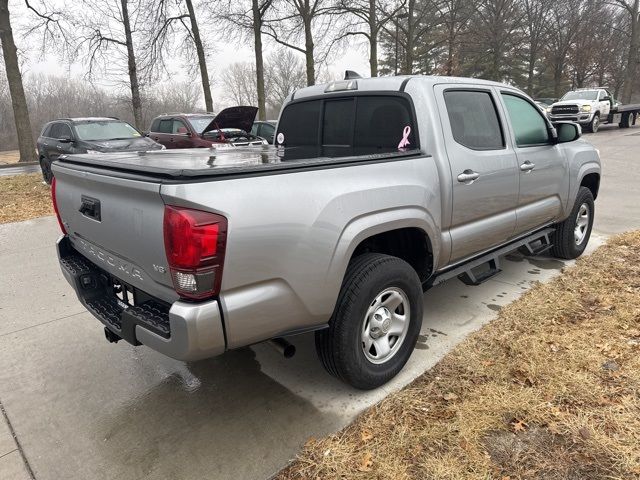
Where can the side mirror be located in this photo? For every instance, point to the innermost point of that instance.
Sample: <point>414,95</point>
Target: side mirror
<point>568,131</point>
<point>65,140</point>
<point>605,99</point>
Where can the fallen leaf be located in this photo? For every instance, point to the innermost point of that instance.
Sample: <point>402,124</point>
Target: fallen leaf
<point>450,396</point>
<point>366,462</point>
<point>518,426</point>
<point>366,435</point>
<point>585,433</point>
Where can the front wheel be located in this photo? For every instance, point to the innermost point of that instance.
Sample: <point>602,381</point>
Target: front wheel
<point>595,124</point>
<point>376,322</point>
<point>571,236</point>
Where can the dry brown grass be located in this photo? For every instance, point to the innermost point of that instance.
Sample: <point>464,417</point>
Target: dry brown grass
<point>23,197</point>
<point>9,156</point>
<point>549,390</point>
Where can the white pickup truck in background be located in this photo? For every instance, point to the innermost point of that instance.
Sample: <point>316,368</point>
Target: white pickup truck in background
<point>591,107</point>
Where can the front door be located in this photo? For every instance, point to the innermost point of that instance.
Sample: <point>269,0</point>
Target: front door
<point>544,179</point>
<point>484,169</point>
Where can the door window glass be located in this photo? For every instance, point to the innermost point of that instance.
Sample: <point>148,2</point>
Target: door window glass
<point>267,130</point>
<point>474,120</point>
<point>528,125</point>
<point>179,127</point>
<point>166,126</point>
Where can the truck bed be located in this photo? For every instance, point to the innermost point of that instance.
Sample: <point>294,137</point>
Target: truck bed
<point>631,107</point>
<point>196,163</point>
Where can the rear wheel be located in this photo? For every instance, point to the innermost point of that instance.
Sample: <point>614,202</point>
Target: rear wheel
<point>45,166</point>
<point>595,124</point>
<point>376,322</point>
<point>627,120</point>
<point>571,236</point>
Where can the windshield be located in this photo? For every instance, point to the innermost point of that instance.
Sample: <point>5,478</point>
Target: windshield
<point>107,130</point>
<point>581,95</point>
<point>200,123</point>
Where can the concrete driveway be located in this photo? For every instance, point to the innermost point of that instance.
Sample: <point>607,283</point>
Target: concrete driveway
<point>76,407</point>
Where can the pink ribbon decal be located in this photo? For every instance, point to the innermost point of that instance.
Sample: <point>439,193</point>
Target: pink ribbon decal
<point>405,137</point>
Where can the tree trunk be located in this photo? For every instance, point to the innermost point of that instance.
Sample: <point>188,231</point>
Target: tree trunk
<point>408,54</point>
<point>26,145</point>
<point>632,57</point>
<point>531,65</point>
<point>257,47</point>
<point>308,44</point>
<point>136,102</point>
<point>373,40</point>
<point>202,61</point>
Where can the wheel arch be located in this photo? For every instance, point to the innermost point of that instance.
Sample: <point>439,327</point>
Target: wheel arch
<point>592,182</point>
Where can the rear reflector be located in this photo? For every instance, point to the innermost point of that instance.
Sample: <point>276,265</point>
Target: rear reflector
<point>55,205</point>
<point>195,242</point>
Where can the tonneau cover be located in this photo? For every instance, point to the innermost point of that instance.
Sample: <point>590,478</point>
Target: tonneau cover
<point>208,162</point>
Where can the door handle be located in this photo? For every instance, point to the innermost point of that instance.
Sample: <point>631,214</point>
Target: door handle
<point>468,176</point>
<point>527,166</point>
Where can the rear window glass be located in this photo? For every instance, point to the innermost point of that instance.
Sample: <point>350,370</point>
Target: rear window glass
<point>300,123</point>
<point>359,125</point>
<point>474,120</point>
<point>337,124</point>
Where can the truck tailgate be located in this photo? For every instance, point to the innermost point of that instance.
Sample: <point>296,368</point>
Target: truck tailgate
<point>112,221</point>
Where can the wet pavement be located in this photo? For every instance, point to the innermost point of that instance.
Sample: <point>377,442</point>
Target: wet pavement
<point>83,408</point>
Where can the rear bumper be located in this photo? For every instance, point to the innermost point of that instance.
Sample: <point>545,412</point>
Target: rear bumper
<point>182,330</point>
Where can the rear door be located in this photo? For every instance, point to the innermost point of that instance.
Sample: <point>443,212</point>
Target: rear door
<point>162,132</point>
<point>542,165</point>
<point>483,166</point>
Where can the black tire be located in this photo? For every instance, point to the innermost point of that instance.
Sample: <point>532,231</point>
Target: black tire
<point>340,347</point>
<point>594,125</point>
<point>564,240</point>
<point>47,174</point>
<point>627,121</point>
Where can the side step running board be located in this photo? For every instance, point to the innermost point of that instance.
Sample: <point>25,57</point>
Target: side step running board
<point>482,268</point>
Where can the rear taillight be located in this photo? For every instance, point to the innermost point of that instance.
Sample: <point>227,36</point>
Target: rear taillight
<point>55,205</point>
<point>195,242</point>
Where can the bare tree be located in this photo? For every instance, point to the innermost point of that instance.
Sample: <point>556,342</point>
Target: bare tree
<point>372,15</point>
<point>301,18</point>
<point>168,15</point>
<point>284,73</point>
<point>107,35</point>
<point>26,145</point>
<point>250,20</point>
<point>535,21</point>
<point>632,7</point>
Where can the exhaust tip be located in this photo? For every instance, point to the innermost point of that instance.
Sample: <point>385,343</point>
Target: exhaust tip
<point>286,349</point>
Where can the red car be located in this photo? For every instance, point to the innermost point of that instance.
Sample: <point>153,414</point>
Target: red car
<point>204,130</point>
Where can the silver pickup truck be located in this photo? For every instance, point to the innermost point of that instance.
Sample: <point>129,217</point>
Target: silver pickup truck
<point>375,190</point>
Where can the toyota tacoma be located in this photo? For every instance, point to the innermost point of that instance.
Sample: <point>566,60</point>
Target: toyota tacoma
<point>375,190</point>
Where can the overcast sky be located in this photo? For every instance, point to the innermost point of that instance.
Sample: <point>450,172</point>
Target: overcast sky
<point>220,55</point>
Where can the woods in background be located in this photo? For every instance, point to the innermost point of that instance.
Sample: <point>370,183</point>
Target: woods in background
<point>544,47</point>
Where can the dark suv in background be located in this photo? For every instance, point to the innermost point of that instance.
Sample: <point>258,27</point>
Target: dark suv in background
<point>230,127</point>
<point>66,136</point>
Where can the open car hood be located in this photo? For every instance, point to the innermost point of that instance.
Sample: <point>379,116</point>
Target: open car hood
<point>233,117</point>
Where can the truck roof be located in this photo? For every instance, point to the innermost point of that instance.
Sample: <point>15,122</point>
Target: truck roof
<point>390,84</point>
